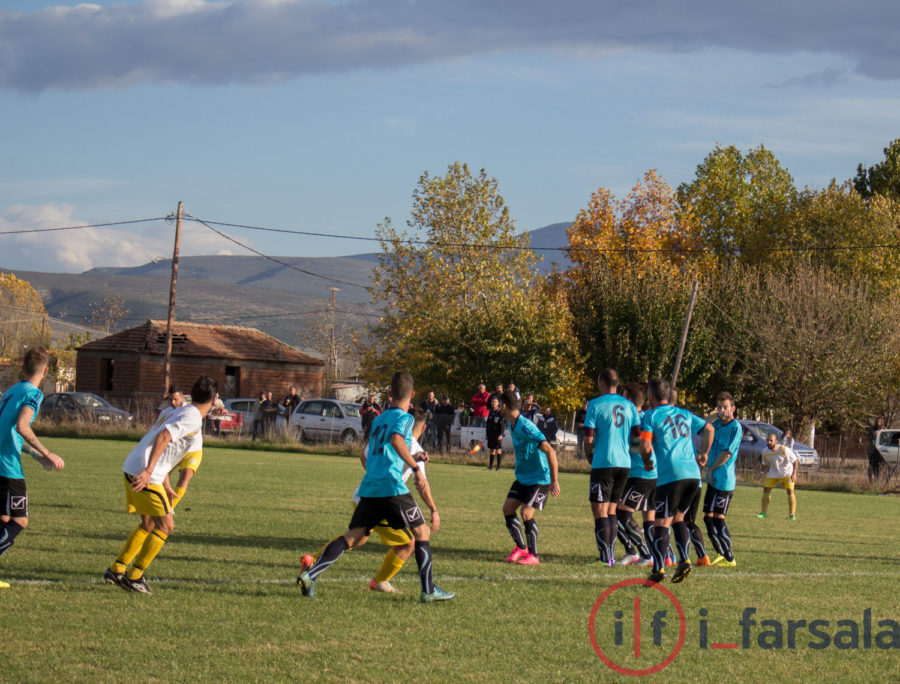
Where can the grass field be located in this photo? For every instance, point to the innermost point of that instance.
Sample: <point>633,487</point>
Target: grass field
<point>226,607</point>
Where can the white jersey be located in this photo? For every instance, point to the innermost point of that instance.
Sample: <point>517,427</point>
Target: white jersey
<point>415,449</point>
<point>780,461</point>
<point>185,426</point>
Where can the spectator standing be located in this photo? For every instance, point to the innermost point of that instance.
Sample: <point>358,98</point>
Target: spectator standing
<point>548,425</point>
<point>876,461</point>
<point>214,417</point>
<point>429,405</point>
<point>480,406</point>
<point>531,409</point>
<point>787,438</point>
<point>258,420</point>
<point>291,401</point>
<point>497,394</point>
<point>579,428</point>
<point>270,413</point>
<point>369,410</point>
<point>515,390</point>
<point>443,420</point>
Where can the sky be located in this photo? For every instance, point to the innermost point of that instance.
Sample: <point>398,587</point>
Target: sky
<point>321,116</point>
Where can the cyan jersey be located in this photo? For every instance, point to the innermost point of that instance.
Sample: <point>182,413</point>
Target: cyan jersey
<point>384,467</point>
<point>637,463</point>
<point>22,394</point>
<point>611,417</point>
<point>727,438</point>
<point>669,428</point>
<point>531,462</point>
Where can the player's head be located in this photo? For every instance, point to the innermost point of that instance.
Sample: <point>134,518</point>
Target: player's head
<point>36,362</point>
<point>176,396</point>
<point>771,440</point>
<point>608,380</point>
<point>418,421</point>
<point>510,402</point>
<point>658,391</point>
<point>495,403</point>
<point>725,406</point>
<point>401,386</point>
<point>204,390</point>
<point>635,393</point>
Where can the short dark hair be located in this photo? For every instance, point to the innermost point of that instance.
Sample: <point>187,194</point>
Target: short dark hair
<point>608,377</point>
<point>725,396</point>
<point>659,389</point>
<point>204,390</point>
<point>35,359</point>
<point>510,399</point>
<point>418,415</point>
<point>401,386</point>
<point>635,393</point>
<point>173,389</point>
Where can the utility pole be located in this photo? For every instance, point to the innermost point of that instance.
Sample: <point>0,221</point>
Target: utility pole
<point>171,321</point>
<point>684,334</point>
<point>332,349</point>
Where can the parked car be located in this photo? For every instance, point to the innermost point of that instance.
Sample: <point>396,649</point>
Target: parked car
<point>246,407</point>
<point>326,420</point>
<point>754,441</point>
<point>68,406</point>
<point>888,444</point>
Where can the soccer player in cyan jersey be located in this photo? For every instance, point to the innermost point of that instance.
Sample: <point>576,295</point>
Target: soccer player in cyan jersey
<point>18,407</point>
<point>146,468</point>
<point>666,433</point>
<point>385,497</point>
<point>536,475</point>
<point>638,495</point>
<point>720,479</point>
<point>607,431</point>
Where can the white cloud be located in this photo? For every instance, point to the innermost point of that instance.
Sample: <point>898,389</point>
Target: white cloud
<point>245,41</point>
<point>85,248</point>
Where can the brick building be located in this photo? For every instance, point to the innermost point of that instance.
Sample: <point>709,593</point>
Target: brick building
<point>127,367</point>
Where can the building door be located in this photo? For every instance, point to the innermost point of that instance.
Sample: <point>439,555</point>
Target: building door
<point>232,382</point>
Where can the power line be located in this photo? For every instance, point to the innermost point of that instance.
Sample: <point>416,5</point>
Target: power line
<point>93,225</point>
<point>273,259</point>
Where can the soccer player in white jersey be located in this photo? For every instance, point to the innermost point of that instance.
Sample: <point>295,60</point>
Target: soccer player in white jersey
<point>781,462</point>
<point>145,470</point>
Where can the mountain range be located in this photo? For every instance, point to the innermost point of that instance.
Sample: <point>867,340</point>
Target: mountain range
<point>282,299</point>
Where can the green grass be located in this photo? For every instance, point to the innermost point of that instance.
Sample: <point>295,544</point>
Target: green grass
<point>226,607</point>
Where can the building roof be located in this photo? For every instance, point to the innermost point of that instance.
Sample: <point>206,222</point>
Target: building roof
<point>229,342</point>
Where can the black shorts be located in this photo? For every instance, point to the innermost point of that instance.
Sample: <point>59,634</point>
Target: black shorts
<point>400,512</point>
<point>675,497</point>
<point>534,496</point>
<point>691,515</point>
<point>13,498</point>
<point>716,500</point>
<point>494,440</point>
<point>607,484</point>
<point>639,494</point>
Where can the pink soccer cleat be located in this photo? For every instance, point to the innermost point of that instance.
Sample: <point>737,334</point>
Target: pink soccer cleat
<point>516,555</point>
<point>529,559</point>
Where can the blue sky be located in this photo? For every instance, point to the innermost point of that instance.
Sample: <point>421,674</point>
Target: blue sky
<point>321,116</point>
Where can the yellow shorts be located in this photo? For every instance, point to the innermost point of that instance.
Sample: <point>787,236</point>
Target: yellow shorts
<point>772,482</point>
<point>191,460</point>
<point>151,500</point>
<point>390,536</point>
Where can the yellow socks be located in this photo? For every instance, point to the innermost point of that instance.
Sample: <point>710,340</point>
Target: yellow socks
<point>152,546</point>
<point>389,567</point>
<point>179,493</point>
<point>792,502</point>
<point>132,545</point>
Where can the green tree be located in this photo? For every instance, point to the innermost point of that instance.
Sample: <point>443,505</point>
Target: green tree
<point>462,299</point>
<point>23,320</point>
<point>742,202</point>
<point>882,178</point>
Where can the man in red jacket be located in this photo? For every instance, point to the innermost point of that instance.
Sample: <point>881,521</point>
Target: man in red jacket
<point>479,406</point>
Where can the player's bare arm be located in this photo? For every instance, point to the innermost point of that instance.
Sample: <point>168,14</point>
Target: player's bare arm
<point>550,452</point>
<point>647,453</point>
<point>163,439</point>
<point>706,439</point>
<point>424,490</point>
<point>720,461</point>
<point>45,457</point>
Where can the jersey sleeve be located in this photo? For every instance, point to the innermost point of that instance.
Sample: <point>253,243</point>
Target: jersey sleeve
<point>533,431</point>
<point>697,423</point>
<point>590,417</point>
<point>184,426</point>
<point>403,427</point>
<point>647,425</point>
<point>734,444</point>
<point>791,456</point>
<point>33,399</point>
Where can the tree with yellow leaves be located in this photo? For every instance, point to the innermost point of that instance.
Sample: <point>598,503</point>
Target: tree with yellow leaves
<point>22,317</point>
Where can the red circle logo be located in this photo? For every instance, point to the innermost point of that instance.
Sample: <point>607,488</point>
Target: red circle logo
<point>621,669</point>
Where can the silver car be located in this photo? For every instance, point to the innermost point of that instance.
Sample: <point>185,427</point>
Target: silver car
<point>326,420</point>
<point>754,442</point>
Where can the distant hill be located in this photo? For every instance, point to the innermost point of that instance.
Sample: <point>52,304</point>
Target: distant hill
<point>240,290</point>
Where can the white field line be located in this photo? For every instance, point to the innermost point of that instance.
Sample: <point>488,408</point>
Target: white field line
<point>457,578</point>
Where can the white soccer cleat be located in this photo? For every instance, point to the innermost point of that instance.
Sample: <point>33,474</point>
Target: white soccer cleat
<point>629,559</point>
<point>385,587</point>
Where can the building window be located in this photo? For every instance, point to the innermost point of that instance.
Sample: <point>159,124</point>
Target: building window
<point>232,382</point>
<point>107,373</point>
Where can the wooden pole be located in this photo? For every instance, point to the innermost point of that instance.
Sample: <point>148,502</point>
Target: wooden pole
<point>171,321</point>
<point>684,334</point>
<point>332,352</point>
